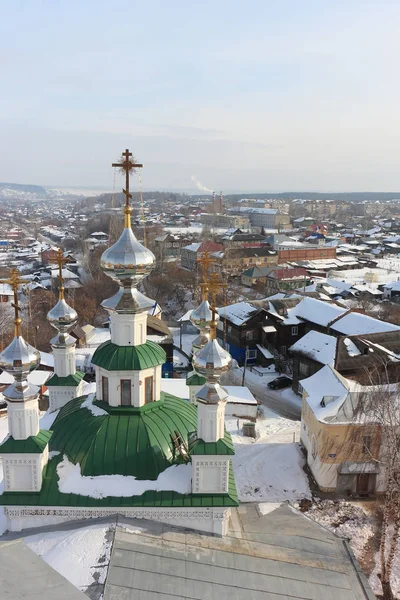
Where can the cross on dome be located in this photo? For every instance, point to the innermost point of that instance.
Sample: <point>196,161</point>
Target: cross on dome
<point>127,166</point>
<point>15,281</point>
<point>60,260</point>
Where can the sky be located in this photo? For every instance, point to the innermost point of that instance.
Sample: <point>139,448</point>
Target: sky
<point>262,95</point>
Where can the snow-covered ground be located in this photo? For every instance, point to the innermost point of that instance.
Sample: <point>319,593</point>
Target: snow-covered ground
<point>81,555</point>
<point>270,467</point>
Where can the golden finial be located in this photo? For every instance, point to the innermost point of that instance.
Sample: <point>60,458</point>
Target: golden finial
<point>15,280</point>
<point>215,285</point>
<point>127,165</point>
<point>60,260</point>
<point>205,261</point>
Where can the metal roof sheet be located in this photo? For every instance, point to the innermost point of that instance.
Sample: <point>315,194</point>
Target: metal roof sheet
<point>111,357</point>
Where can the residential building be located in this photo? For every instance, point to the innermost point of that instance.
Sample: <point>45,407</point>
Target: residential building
<point>191,253</point>
<point>343,449</point>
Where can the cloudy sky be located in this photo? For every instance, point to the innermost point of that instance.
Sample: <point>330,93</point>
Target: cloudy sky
<point>262,95</point>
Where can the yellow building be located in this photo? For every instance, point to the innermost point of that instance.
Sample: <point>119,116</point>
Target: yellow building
<point>343,446</point>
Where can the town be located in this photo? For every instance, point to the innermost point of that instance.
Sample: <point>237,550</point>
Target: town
<point>199,301</point>
<point>308,309</point>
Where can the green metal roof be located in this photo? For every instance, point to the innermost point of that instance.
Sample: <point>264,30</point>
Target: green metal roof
<point>222,447</point>
<point>50,495</point>
<point>126,441</point>
<point>195,379</point>
<point>70,380</point>
<point>35,444</point>
<point>111,357</point>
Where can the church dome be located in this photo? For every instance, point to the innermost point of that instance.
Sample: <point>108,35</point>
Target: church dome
<point>123,440</point>
<point>127,259</point>
<point>19,358</point>
<point>202,316</point>
<point>62,316</point>
<point>212,361</point>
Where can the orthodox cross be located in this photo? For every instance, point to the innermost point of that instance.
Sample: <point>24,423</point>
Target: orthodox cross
<point>15,280</point>
<point>205,261</point>
<point>60,260</point>
<point>215,285</point>
<point>127,165</point>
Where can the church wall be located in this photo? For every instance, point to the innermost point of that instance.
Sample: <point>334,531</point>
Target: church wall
<point>128,329</point>
<point>60,395</point>
<point>23,472</point>
<point>207,520</point>
<point>137,379</point>
<point>210,474</point>
<point>23,419</point>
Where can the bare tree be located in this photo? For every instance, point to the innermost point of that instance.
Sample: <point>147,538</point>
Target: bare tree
<point>381,405</point>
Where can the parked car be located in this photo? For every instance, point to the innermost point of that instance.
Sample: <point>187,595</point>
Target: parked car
<point>279,383</point>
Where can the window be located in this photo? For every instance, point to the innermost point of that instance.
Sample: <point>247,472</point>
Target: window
<point>249,335</point>
<point>295,330</point>
<point>148,390</point>
<point>104,389</point>
<point>283,350</point>
<point>251,354</point>
<point>366,447</point>
<point>126,392</point>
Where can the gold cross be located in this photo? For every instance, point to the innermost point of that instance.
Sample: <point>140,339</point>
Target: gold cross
<point>127,165</point>
<point>15,280</point>
<point>215,285</point>
<point>60,260</point>
<point>205,261</point>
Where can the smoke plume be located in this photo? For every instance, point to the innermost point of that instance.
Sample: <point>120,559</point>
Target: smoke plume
<point>199,185</point>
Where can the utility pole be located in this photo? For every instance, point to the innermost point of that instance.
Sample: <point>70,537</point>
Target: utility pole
<point>245,365</point>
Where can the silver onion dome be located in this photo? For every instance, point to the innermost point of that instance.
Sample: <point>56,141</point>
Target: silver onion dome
<point>62,316</point>
<point>202,316</point>
<point>127,259</point>
<point>19,359</point>
<point>212,361</point>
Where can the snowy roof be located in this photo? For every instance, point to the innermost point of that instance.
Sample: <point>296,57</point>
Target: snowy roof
<point>317,311</point>
<point>318,346</point>
<point>328,384</point>
<point>358,324</point>
<point>5,289</point>
<point>238,313</point>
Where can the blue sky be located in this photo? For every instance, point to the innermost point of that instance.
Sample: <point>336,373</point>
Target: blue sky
<point>257,95</point>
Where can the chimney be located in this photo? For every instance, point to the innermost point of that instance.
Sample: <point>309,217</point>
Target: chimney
<point>221,203</point>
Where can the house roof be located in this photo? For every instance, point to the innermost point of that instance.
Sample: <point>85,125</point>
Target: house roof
<point>318,312</point>
<point>325,383</point>
<point>317,346</point>
<point>238,313</point>
<point>357,324</point>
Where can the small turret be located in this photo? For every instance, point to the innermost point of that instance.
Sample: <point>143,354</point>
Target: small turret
<point>66,383</point>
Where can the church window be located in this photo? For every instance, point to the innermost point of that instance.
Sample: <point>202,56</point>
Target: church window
<point>148,390</point>
<point>125,392</point>
<point>104,389</point>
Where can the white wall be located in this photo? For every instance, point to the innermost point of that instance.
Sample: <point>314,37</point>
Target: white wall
<point>23,419</point>
<point>137,384</point>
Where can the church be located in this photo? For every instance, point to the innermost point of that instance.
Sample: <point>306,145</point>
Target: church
<point>128,448</point>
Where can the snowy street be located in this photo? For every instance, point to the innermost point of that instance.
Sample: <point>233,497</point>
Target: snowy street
<point>283,402</point>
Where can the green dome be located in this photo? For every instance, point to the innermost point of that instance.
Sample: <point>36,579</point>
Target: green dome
<point>111,357</point>
<point>125,441</point>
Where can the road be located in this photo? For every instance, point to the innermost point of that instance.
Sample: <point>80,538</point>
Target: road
<point>288,407</point>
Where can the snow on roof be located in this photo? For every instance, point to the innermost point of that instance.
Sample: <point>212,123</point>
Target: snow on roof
<point>351,348</point>
<point>359,324</point>
<point>186,316</point>
<point>46,359</point>
<point>193,247</point>
<point>35,378</point>
<point>264,351</point>
<point>327,384</point>
<point>318,346</point>
<point>317,311</point>
<point>175,478</point>
<point>237,313</point>
<point>5,289</point>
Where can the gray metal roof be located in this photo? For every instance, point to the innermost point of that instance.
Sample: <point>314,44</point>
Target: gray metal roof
<point>24,575</point>
<point>282,555</point>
